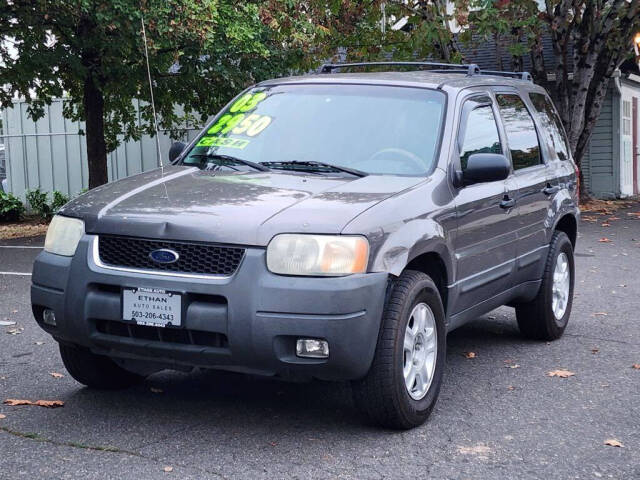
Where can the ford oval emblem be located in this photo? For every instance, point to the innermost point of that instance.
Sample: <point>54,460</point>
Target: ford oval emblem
<point>164,255</point>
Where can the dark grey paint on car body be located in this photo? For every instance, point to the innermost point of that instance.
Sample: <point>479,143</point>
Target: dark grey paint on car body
<point>477,247</point>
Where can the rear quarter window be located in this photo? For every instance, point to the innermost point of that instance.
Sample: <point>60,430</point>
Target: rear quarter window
<point>520,128</point>
<point>551,123</point>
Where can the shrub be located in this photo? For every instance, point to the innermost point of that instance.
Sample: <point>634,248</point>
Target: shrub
<point>11,207</point>
<point>59,200</point>
<point>38,202</point>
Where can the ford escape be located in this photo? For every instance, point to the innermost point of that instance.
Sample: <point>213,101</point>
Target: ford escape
<point>332,226</point>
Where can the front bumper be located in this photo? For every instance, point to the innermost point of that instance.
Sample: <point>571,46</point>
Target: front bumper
<point>247,322</point>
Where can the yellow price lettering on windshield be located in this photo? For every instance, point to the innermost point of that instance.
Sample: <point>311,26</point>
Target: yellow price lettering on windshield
<point>252,125</point>
<point>237,121</point>
<point>223,142</point>
<point>247,102</point>
<point>226,123</point>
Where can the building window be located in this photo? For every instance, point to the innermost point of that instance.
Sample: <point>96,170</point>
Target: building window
<point>626,117</point>
<point>521,131</point>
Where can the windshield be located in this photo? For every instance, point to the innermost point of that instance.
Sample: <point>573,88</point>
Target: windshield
<point>370,129</point>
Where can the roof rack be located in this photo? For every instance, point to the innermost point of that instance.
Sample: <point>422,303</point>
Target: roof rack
<point>470,69</point>
<point>521,75</point>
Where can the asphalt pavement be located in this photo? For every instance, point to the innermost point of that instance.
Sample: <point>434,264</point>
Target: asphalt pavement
<point>499,416</point>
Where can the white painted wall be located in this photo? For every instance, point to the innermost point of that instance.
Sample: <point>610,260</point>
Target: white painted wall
<point>629,90</point>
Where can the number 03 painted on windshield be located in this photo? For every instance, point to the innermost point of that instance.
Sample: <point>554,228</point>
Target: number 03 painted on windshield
<point>237,122</point>
<point>247,102</point>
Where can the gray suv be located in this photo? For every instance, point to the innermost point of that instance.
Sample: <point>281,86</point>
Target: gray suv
<point>333,226</point>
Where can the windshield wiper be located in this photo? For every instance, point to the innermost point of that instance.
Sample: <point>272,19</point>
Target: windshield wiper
<point>230,158</point>
<point>311,165</point>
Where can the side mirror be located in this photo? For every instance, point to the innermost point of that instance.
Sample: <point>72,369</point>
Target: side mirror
<point>486,167</point>
<point>176,149</point>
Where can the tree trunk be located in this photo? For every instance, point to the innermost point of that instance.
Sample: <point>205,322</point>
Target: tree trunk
<point>96,147</point>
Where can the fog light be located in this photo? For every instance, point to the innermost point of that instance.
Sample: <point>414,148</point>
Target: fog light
<point>49,317</point>
<point>312,348</point>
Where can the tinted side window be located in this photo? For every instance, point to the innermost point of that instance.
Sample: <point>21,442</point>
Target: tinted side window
<point>521,131</point>
<point>551,123</point>
<point>480,134</point>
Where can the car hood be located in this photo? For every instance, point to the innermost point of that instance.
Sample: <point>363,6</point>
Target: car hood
<point>186,203</point>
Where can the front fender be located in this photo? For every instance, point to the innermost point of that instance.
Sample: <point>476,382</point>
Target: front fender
<point>417,221</point>
<point>413,239</point>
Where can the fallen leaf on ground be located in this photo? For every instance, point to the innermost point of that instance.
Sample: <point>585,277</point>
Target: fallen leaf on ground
<point>14,311</point>
<point>612,442</point>
<point>49,403</point>
<point>12,402</point>
<point>515,365</point>
<point>40,403</point>
<point>156,390</point>
<point>606,224</point>
<point>39,343</point>
<point>604,240</point>
<point>15,331</point>
<point>470,354</point>
<point>560,373</point>
<point>56,374</point>
<point>511,388</point>
<point>6,323</point>
<point>168,469</point>
<point>603,314</point>
<point>2,416</point>
<point>595,350</point>
<point>636,366</point>
<point>613,219</point>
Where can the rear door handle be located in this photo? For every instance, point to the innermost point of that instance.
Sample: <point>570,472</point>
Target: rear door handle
<point>549,190</point>
<point>507,202</point>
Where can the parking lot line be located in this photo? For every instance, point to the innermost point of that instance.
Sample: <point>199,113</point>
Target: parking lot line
<point>19,246</point>
<point>23,274</point>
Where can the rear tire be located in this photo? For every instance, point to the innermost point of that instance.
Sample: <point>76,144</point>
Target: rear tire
<point>384,394</point>
<point>96,371</point>
<point>547,315</point>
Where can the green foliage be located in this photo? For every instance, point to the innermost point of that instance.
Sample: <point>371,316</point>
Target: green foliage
<point>39,202</point>
<point>59,200</point>
<point>201,53</point>
<point>11,208</point>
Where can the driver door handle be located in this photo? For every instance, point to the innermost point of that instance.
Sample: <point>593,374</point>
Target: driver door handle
<point>507,202</point>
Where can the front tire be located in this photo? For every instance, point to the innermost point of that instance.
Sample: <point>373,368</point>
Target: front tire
<point>547,315</point>
<point>96,371</point>
<point>402,386</point>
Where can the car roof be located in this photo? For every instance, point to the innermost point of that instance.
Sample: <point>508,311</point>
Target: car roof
<point>418,78</point>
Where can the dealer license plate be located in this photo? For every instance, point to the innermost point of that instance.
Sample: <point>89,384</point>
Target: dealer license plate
<point>152,307</point>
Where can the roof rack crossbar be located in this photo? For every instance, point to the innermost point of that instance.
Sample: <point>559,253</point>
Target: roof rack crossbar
<point>521,75</point>
<point>470,69</point>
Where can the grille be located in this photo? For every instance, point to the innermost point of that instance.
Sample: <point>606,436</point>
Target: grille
<point>195,258</point>
<point>165,335</point>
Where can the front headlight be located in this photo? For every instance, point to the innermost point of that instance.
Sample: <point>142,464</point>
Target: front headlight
<point>63,235</point>
<point>316,255</point>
